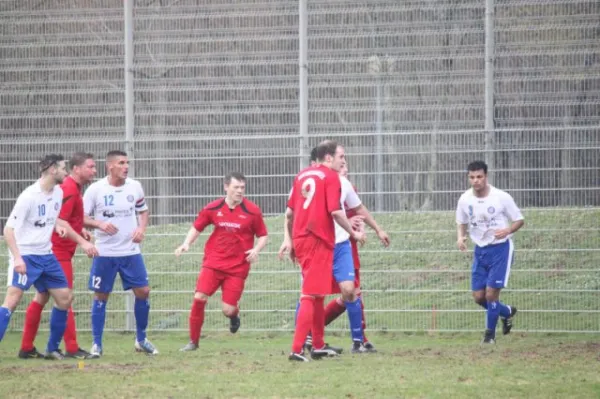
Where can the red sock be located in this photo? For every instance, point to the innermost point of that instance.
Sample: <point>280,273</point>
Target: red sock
<point>364,321</point>
<point>71,344</point>
<point>196,320</point>
<point>32,323</point>
<point>304,322</point>
<point>333,310</point>
<point>318,326</point>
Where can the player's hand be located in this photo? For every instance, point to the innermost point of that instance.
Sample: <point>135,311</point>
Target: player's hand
<point>383,237</point>
<point>359,236</point>
<point>357,222</point>
<point>86,235</point>
<point>108,228</point>
<point>462,244</point>
<point>502,233</point>
<point>252,255</point>
<point>89,249</point>
<point>19,265</point>
<point>61,231</point>
<point>181,249</point>
<point>284,249</point>
<point>138,235</point>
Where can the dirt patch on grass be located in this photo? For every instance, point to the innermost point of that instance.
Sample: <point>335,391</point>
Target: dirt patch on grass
<point>126,368</point>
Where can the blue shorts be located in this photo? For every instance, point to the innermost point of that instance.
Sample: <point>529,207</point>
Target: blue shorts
<point>343,265</point>
<point>42,271</point>
<point>491,266</point>
<point>105,268</point>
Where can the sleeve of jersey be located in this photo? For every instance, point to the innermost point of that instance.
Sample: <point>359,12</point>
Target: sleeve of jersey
<point>89,207</point>
<point>260,229</point>
<point>202,220</point>
<point>290,201</point>
<point>140,204</point>
<point>19,213</point>
<point>461,216</point>
<point>68,201</point>
<point>333,192</point>
<point>512,210</point>
<point>352,200</point>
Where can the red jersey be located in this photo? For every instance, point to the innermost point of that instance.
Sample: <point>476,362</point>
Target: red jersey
<point>315,195</point>
<point>72,212</point>
<point>232,236</point>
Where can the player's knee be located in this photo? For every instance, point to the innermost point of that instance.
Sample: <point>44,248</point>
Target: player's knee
<point>479,297</point>
<point>200,296</point>
<point>491,296</point>
<point>64,299</point>
<point>42,298</point>
<point>101,296</point>
<point>12,299</point>
<point>141,292</point>
<point>348,291</point>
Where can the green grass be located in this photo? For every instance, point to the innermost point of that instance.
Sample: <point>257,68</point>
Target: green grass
<point>249,365</point>
<point>556,269</point>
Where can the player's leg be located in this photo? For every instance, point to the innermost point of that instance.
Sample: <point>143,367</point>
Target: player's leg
<point>232,289</point>
<point>479,275</point>
<point>33,316</point>
<point>500,258</point>
<point>206,285</point>
<point>72,348</point>
<point>17,284</point>
<point>102,279</point>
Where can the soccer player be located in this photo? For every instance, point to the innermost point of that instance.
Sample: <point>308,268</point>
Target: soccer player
<point>313,206</point>
<point>83,171</point>
<point>120,215</point>
<point>485,211</point>
<point>357,213</point>
<point>228,253</point>
<point>28,237</point>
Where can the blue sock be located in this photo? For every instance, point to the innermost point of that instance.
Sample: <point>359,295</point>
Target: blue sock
<point>296,314</point>
<point>4,320</point>
<point>98,319</point>
<point>58,324</point>
<point>141,310</point>
<point>503,310</point>
<point>355,316</point>
<point>493,312</point>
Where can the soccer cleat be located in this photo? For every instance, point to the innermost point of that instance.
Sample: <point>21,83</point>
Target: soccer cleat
<point>32,354</point>
<point>79,354</point>
<point>234,324</point>
<point>370,347</point>
<point>358,347</point>
<point>297,357</point>
<point>488,338</point>
<point>308,343</point>
<point>95,352</point>
<point>146,347</point>
<point>191,346</point>
<point>326,351</point>
<point>507,322</point>
<point>54,355</point>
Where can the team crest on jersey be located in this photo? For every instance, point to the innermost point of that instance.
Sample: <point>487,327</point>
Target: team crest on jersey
<point>491,210</point>
<point>56,206</point>
<point>130,198</point>
<point>219,213</point>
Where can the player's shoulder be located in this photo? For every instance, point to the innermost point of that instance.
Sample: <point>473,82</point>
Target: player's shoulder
<point>500,194</point>
<point>466,196</point>
<point>98,184</point>
<point>69,186</point>
<point>346,184</point>
<point>250,207</point>
<point>133,183</point>
<point>214,205</point>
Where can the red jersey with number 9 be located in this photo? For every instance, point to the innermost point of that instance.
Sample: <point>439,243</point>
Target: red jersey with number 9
<point>315,195</point>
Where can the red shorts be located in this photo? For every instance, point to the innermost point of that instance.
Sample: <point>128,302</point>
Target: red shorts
<point>232,287</point>
<point>316,261</point>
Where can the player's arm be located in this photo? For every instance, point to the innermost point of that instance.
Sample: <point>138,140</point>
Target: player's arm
<point>16,219</point>
<point>11,243</point>
<point>64,229</point>
<point>260,230</point>
<point>362,210</point>
<point>514,214</point>
<point>462,221</point>
<point>140,232</point>
<point>89,209</point>
<point>201,222</point>
<point>287,245</point>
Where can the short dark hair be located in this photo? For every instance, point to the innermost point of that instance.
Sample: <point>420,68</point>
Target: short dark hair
<point>234,175</point>
<point>477,165</point>
<point>79,158</point>
<point>116,153</point>
<point>49,161</point>
<point>313,155</point>
<point>327,147</point>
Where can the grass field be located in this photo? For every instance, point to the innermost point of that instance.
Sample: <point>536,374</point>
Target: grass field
<point>250,365</point>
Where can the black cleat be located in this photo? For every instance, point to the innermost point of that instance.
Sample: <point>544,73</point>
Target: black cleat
<point>370,347</point>
<point>326,351</point>
<point>32,354</point>
<point>489,338</point>
<point>507,322</point>
<point>80,354</point>
<point>55,355</point>
<point>358,347</point>
<point>234,324</point>
<point>308,343</point>
<point>297,357</point>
